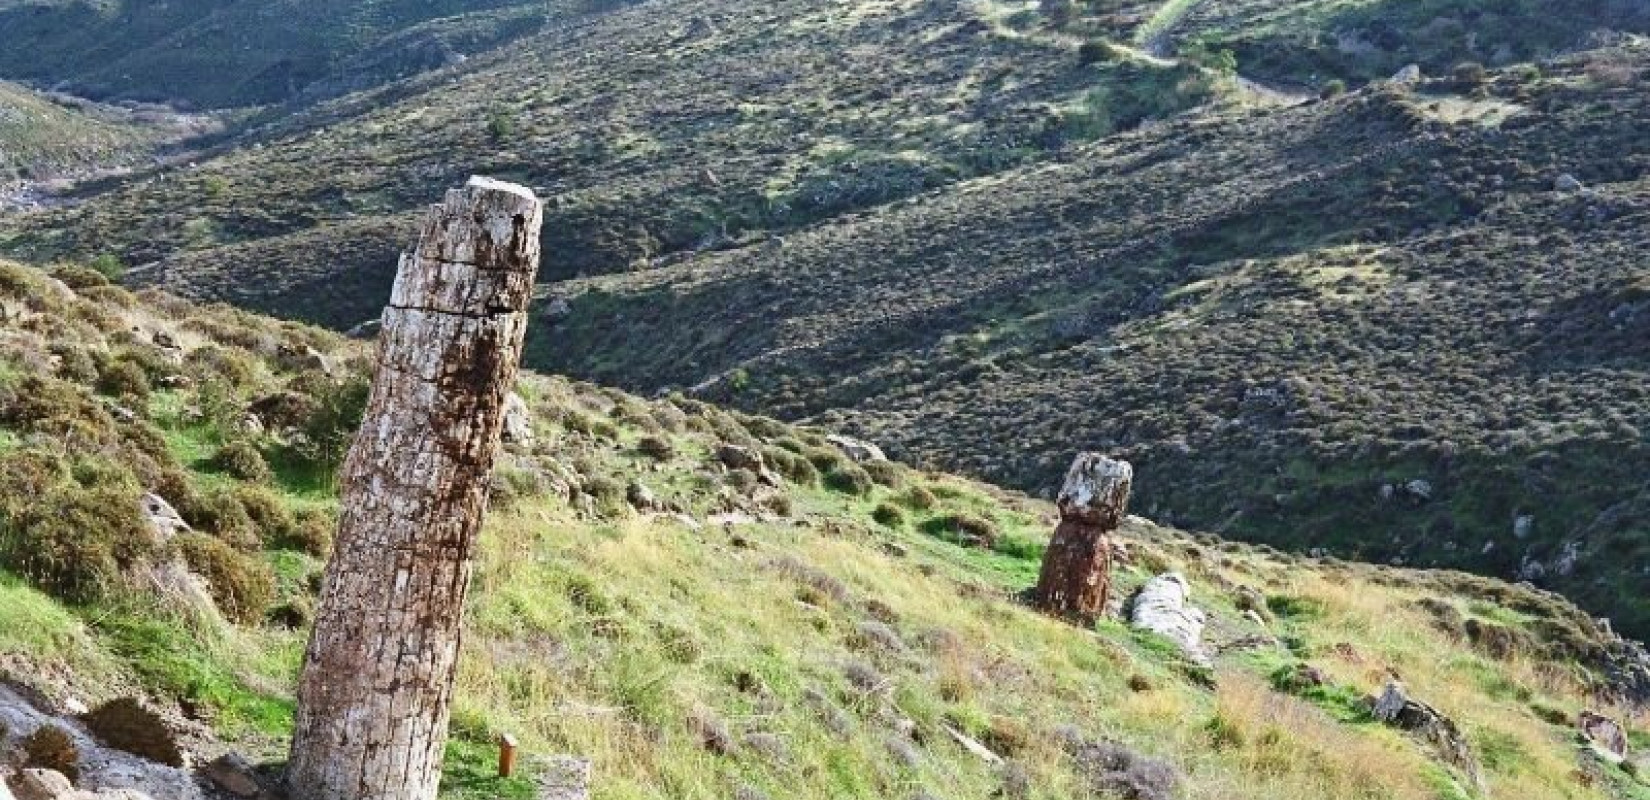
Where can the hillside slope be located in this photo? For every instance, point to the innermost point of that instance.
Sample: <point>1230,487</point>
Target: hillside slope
<point>700,631</point>
<point>249,52</point>
<point>1405,325</point>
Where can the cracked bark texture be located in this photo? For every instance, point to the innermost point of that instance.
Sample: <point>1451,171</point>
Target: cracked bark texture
<point>1076,577</point>
<point>374,696</point>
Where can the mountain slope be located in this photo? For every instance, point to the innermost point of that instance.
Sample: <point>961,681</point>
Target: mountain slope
<point>699,631</point>
<point>1284,320</point>
<point>248,52</point>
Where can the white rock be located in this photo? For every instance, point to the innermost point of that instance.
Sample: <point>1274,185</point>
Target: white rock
<point>1163,607</point>
<point>856,449</point>
<point>518,421</point>
<point>164,520</point>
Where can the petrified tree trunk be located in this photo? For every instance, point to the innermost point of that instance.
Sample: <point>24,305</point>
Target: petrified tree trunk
<point>378,674</point>
<point>1076,576</point>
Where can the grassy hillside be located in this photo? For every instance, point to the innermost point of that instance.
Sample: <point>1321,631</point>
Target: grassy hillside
<point>656,131</point>
<point>1285,320</point>
<point>1311,42</point>
<point>43,137</point>
<point>814,638</point>
<point>250,52</point>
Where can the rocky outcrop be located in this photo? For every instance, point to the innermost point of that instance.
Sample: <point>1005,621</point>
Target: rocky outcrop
<point>518,421</point>
<point>164,520</point>
<point>1396,708</point>
<point>104,772</point>
<point>856,449</point>
<point>1164,607</point>
<point>1604,733</point>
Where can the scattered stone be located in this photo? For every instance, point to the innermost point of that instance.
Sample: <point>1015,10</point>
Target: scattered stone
<point>138,728</point>
<point>518,421</point>
<point>1604,732</point>
<point>235,775</point>
<point>1523,525</point>
<point>1419,488</point>
<point>556,309</point>
<point>738,457</point>
<point>968,743</point>
<point>366,330</point>
<point>303,358</point>
<point>1163,607</point>
<point>641,498</point>
<point>1396,708</point>
<point>164,520</point>
<point>562,778</point>
<point>1567,184</point>
<point>856,449</point>
<point>42,784</point>
<point>1409,74</point>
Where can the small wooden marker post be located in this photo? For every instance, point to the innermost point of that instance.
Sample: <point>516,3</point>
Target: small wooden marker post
<point>506,755</point>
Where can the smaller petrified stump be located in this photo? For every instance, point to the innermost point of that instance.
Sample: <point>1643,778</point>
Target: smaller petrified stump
<point>1076,576</point>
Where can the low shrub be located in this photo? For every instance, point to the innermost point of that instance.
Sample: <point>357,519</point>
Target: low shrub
<point>795,468</point>
<point>123,379</point>
<point>243,461</point>
<point>849,479</point>
<point>885,473</point>
<point>965,529</point>
<point>918,498</point>
<point>657,448</point>
<point>312,532</point>
<point>889,515</point>
<point>242,586</point>
<point>76,543</point>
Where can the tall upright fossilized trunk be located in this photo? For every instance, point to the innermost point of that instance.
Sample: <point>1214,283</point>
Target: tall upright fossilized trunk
<point>373,700</point>
<point>1076,575</point>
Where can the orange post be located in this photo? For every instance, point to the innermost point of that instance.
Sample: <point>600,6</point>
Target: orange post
<point>506,755</point>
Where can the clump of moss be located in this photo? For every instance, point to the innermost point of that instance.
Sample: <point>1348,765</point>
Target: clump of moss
<point>242,586</point>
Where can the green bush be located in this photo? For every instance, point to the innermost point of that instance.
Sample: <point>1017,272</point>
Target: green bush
<point>885,473</point>
<point>965,529</point>
<point>889,515</point>
<point>795,468</point>
<point>269,514</point>
<point>657,448</point>
<point>241,585</point>
<point>123,379</point>
<point>1095,51</point>
<point>312,532</point>
<point>849,479</point>
<point>221,513</point>
<point>1332,89</point>
<point>918,498</point>
<point>75,543</point>
<point>241,460</point>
